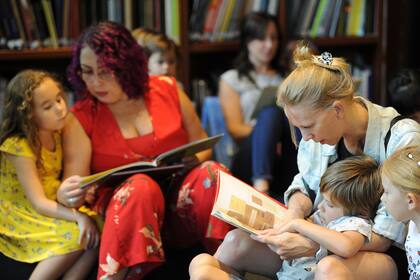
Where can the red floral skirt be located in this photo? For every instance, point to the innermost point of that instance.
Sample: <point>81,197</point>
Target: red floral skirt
<point>136,220</point>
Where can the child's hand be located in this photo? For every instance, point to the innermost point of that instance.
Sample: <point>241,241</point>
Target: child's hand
<point>288,245</point>
<point>70,194</point>
<point>90,195</point>
<point>89,235</point>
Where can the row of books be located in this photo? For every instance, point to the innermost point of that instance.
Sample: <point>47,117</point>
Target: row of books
<point>54,23</point>
<point>218,20</point>
<point>330,18</point>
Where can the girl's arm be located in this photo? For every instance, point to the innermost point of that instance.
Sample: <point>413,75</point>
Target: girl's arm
<point>192,124</point>
<point>77,154</point>
<point>231,107</point>
<point>345,244</point>
<point>28,177</point>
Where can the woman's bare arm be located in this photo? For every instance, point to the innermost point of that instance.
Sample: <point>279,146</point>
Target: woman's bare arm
<point>192,124</point>
<point>231,107</point>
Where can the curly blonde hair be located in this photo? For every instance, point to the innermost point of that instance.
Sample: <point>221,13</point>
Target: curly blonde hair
<point>18,108</point>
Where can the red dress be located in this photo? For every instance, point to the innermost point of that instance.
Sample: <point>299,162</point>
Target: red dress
<point>135,210</point>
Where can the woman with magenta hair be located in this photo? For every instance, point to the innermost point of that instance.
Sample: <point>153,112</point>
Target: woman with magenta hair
<point>126,116</point>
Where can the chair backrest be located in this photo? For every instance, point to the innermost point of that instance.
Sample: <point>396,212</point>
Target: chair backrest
<point>213,122</point>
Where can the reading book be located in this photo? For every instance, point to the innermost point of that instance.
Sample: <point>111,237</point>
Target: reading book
<point>244,207</point>
<point>166,163</point>
<point>268,97</point>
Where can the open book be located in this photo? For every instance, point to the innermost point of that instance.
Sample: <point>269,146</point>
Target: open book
<point>243,206</point>
<point>166,163</point>
<point>268,97</point>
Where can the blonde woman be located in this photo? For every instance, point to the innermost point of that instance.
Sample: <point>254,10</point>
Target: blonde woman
<point>318,98</point>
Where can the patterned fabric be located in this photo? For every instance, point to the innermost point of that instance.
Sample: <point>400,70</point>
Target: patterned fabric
<point>304,268</point>
<point>412,248</point>
<point>134,230</point>
<point>314,158</point>
<point>26,235</point>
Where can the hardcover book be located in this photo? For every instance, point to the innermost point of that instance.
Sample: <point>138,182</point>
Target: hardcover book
<point>244,207</point>
<point>166,163</point>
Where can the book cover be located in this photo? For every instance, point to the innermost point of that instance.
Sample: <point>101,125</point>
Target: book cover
<point>268,97</point>
<point>116,178</point>
<point>171,157</point>
<point>242,206</point>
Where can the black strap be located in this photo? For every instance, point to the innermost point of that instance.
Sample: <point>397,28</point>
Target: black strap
<point>388,134</point>
<point>311,193</point>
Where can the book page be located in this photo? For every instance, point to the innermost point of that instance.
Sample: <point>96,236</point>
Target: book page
<point>242,206</point>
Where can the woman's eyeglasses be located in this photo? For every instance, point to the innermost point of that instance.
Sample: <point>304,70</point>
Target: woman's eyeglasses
<point>103,75</point>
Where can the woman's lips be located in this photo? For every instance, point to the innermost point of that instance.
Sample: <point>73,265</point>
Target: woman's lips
<point>100,93</point>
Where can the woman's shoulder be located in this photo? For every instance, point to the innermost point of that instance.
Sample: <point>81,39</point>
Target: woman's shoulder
<point>403,133</point>
<point>162,81</point>
<point>230,76</point>
<point>163,86</point>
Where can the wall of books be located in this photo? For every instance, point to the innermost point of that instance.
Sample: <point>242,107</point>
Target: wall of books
<point>54,23</point>
<point>330,18</point>
<point>218,20</point>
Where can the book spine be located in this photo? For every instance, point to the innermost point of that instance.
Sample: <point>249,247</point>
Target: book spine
<point>46,5</point>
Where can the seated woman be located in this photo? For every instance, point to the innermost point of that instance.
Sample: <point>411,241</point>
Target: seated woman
<point>318,98</point>
<point>264,143</point>
<point>127,116</point>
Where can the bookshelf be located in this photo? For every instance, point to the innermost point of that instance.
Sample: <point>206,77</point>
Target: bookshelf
<point>197,58</point>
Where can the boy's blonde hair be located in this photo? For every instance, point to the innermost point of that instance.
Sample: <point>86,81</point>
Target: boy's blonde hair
<point>354,184</point>
<point>315,83</point>
<point>153,42</point>
<point>402,168</point>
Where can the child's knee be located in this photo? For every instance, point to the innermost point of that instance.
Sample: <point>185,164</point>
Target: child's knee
<point>236,245</point>
<point>329,268</point>
<point>201,260</point>
<point>201,267</point>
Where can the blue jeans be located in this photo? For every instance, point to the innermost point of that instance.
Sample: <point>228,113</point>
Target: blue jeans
<point>258,156</point>
<point>265,137</point>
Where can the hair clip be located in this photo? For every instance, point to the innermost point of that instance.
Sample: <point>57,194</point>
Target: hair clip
<point>325,58</point>
<point>410,156</point>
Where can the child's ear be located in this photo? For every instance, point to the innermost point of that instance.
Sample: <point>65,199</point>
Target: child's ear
<point>413,201</point>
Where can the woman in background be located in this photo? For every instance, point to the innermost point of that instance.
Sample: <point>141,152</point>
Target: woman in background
<point>263,139</point>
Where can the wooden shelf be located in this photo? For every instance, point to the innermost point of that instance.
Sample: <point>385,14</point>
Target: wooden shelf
<point>346,41</point>
<point>41,53</point>
<point>206,47</point>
